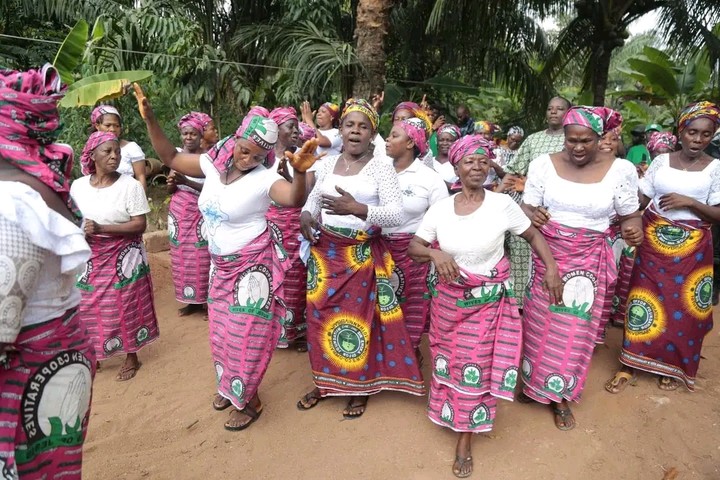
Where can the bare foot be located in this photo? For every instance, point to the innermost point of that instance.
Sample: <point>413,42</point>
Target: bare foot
<point>129,368</point>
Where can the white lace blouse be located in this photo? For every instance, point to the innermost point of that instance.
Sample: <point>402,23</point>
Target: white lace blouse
<point>376,186</point>
<point>661,179</point>
<point>582,205</point>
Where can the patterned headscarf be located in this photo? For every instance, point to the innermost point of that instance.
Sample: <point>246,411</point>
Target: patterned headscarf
<point>333,109</point>
<point>306,132</point>
<point>87,166</point>
<point>363,106</point>
<point>515,130</point>
<point>483,126</point>
<point>699,110</point>
<point>101,110</point>
<point>660,140</point>
<point>197,120</point>
<point>470,145</point>
<point>257,129</point>
<point>415,129</point>
<point>612,120</point>
<point>451,129</point>
<point>410,106</point>
<point>281,115</point>
<point>589,117</point>
<point>29,126</point>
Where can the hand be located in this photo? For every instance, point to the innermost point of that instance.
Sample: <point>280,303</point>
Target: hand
<point>377,100</point>
<point>91,227</point>
<point>307,113</point>
<point>304,158</point>
<point>633,235</point>
<point>424,103</point>
<point>445,265</point>
<point>520,184</point>
<point>170,183</point>
<point>283,169</point>
<point>507,184</point>
<point>307,225</point>
<point>674,201</point>
<point>345,204</point>
<point>540,217</point>
<point>641,169</point>
<point>143,103</point>
<point>439,122</point>
<point>553,284</point>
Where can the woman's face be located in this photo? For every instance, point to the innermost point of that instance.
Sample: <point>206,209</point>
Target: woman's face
<point>402,114</point>
<point>398,143</point>
<point>357,133</point>
<point>581,144</point>
<point>211,136</point>
<point>190,139</point>
<point>555,112</point>
<point>473,170</point>
<point>514,141</point>
<point>109,122</point>
<point>696,137</point>
<point>107,156</point>
<point>247,155</point>
<point>444,142</point>
<point>609,144</point>
<point>288,134</point>
<point>323,117</point>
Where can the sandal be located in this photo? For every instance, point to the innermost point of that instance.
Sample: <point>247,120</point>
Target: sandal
<point>122,375</point>
<point>249,411</point>
<point>565,414</point>
<point>301,345</point>
<point>459,466</point>
<point>617,385</point>
<point>352,406</point>
<point>309,400</point>
<point>220,403</point>
<point>668,383</point>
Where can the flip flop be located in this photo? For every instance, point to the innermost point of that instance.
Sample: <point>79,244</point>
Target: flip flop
<point>564,414</point>
<point>308,399</point>
<point>616,385</point>
<point>219,407</point>
<point>250,412</point>
<point>351,406</point>
<point>461,462</point>
<point>668,384</point>
<point>134,369</point>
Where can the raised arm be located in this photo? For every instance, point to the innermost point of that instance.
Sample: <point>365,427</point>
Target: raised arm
<point>185,163</point>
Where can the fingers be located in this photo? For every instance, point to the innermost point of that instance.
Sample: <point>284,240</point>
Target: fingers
<point>340,190</point>
<point>139,94</point>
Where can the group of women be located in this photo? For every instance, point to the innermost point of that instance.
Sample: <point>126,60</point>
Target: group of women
<point>303,233</point>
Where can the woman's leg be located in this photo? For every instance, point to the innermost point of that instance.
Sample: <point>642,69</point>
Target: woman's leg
<point>463,466</point>
<point>129,368</point>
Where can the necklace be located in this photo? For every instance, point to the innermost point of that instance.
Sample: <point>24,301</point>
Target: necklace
<point>691,163</point>
<point>349,164</point>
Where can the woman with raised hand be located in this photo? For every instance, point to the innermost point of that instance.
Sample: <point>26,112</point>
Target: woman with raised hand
<point>47,361</point>
<point>357,341</point>
<point>475,327</point>
<point>570,196</point>
<point>189,255</point>
<point>669,305</point>
<point>244,300</point>
<point>421,188</point>
<point>325,123</point>
<point>117,294</point>
<point>106,118</point>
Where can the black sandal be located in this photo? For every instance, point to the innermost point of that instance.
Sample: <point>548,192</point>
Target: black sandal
<point>311,399</point>
<point>564,414</point>
<point>250,412</point>
<point>220,407</point>
<point>353,406</point>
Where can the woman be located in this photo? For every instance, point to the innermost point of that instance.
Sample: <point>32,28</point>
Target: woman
<point>117,295</point>
<point>106,118</point>
<point>661,143</point>
<point>670,300</point>
<point>356,338</point>
<point>325,120</point>
<point>507,151</point>
<point>284,224</point>
<point>46,358</point>
<point>447,135</point>
<point>244,299</point>
<point>571,196</point>
<point>210,132</point>
<point>189,255</point>
<point>475,329</point>
<point>421,188</point>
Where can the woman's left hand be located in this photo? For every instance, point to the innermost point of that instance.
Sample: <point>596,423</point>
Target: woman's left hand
<point>632,235</point>
<point>345,204</point>
<point>674,201</point>
<point>553,284</point>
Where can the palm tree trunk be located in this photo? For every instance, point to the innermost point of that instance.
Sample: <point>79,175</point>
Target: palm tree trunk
<point>600,75</point>
<point>371,28</point>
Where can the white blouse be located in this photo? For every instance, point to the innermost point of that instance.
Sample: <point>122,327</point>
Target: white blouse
<point>582,205</point>
<point>661,179</point>
<point>421,188</point>
<point>376,185</point>
<point>41,252</point>
<point>336,142</point>
<point>129,154</point>
<point>475,241</point>
<point>234,214</point>
<point>111,205</point>
<point>446,171</point>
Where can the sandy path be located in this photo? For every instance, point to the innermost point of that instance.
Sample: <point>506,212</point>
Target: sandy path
<point>160,425</point>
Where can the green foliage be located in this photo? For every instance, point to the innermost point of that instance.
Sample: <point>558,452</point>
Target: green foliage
<point>101,87</point>
<point>71,51</point>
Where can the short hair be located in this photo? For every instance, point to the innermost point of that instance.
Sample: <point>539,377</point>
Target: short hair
<point>568,103</point>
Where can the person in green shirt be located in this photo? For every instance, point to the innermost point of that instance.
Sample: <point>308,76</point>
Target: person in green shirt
<point>638,153</point>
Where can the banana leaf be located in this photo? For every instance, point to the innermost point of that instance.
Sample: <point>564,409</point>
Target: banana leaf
<point>71,51</point>
<point>103,86</point>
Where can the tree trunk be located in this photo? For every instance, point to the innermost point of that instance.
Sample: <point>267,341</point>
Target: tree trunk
<point>600,75</point>
<point>371,28</point>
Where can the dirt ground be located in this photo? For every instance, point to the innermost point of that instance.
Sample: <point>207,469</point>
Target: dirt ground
<point>160,425</point>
